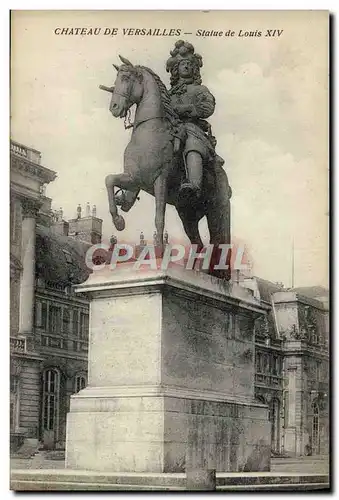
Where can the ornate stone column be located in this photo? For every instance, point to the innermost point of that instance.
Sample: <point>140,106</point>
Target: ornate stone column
<point>27,285</point>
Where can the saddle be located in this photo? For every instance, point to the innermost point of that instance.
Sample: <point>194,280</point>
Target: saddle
<point>180,134</point>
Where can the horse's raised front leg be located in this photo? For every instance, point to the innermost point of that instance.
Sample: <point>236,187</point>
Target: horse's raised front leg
<point>160,194</point>
<point>123,181</point>
<point>126,199</point>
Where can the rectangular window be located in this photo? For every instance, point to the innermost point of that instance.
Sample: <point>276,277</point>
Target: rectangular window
<point>44,311</point>
<point>318,372</point>
<point>66,320</point>
<point>50,400</point>
<point>37,313</point>
<point>257,362</point>
<point>76,322</point>
<point>41,315</point>
<point>276,367</point>
<point>286,409</point>
<point>55,319</point>
<point>84,325</point>
<point>266,363</point>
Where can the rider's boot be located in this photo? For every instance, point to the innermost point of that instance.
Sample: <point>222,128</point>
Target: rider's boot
<point>189,195</point>
<point>190,189</point>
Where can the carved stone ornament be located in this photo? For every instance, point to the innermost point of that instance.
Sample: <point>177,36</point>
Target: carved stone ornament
<point>30,208</point>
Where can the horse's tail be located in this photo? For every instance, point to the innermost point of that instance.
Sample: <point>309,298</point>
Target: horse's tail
<point>218,213</point>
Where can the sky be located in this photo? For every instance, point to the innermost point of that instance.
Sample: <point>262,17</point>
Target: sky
<point>271,121</point>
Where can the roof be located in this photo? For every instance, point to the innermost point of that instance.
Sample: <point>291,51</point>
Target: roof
<point>60,259</point>
<point>266,288</point>
<point>313,292</point>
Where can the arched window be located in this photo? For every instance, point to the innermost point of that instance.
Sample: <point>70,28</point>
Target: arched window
<point>315,428</point>
<point>80,383</point>
<point>50,408</point>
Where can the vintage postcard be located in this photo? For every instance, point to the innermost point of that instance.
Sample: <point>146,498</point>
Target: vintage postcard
<point>169,322</point>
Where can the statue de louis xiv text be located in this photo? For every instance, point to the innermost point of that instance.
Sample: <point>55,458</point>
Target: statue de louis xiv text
<point>204,33</point>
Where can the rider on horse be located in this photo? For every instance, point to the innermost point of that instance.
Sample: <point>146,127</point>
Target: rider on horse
<point>192,102</point>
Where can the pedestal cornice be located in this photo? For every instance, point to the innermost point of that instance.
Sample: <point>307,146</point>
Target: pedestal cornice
<point>124,280</point>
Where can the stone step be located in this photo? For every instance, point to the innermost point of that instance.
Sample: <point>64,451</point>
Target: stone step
<point>276,487</point>
<point>303,468</point>
<point>151,480</point>
<point>310,458</point>
<point>269,478</point>
<point>25,485</point>
<point>81,476</point>
<point>18,485</point>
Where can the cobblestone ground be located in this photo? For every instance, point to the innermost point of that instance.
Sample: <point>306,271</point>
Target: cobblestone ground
<point>304,465</point>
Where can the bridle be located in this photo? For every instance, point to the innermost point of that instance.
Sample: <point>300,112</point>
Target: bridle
<point>127,95</point>
<point>127,117</point>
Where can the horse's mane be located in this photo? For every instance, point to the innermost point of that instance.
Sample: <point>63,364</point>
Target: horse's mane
<point>165,96</point>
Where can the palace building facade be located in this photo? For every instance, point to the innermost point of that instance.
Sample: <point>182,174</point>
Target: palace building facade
<point>292,366</point>
<point>48,321</point>
<point>49,326</point>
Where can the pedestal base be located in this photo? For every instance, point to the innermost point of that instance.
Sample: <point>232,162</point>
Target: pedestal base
<point>165,433</point>
<point>171,377</point>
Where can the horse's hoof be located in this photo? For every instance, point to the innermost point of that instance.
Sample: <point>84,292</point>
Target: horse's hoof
<point>119,222</point>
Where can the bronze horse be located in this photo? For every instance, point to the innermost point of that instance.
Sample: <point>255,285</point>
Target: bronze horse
<point>153,164</point>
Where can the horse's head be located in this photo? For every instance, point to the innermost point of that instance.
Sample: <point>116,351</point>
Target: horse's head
<point>127,88</point>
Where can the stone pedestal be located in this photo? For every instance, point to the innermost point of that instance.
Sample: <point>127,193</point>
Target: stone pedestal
<point>171,376</point>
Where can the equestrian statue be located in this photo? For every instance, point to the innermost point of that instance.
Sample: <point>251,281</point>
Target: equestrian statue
<point>171,154</point>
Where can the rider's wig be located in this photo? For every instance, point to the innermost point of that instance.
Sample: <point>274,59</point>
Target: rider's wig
<point>183,51</point>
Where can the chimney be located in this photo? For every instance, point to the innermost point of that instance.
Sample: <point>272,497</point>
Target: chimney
<point>88,228</point>
<point>59,226</point>
<point>142,244</point>
<point>88,210</point>
<point>113,241</point>
<point>142,240</point>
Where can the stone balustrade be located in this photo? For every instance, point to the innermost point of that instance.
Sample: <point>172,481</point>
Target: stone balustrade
<point>18,344</point>
<point>29,153</point>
